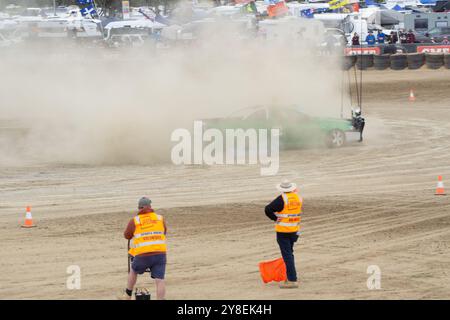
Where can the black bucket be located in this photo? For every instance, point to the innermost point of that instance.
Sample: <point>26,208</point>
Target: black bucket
<point>142,294</point>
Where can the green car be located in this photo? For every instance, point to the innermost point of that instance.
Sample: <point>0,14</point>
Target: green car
<point>296,128</point>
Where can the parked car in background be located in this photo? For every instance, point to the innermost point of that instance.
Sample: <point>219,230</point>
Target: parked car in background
<point>434,35</point>
<point>131,33</point>
<point>438,34</point>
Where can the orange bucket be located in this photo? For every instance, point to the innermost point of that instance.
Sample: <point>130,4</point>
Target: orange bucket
<point>274,270</point>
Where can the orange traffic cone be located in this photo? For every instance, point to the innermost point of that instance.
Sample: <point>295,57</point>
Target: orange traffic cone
<point>28,219</point>
<point>274,270</point>
<point>411,95</point>
<point>440,187</point>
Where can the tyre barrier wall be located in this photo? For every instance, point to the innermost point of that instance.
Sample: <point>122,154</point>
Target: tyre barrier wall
<point>398,61</point>
<point>364,61</point>
<point>381,62</point>
<point>447,61</point>
<point>434,60</point>
<point>415,60</point>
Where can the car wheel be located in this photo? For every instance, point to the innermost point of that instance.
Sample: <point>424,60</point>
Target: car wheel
<point>336,138</point>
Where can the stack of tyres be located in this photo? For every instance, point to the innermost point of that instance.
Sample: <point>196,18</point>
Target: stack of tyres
<point>398,61</point>
<point>348,62</point>
<point>381,62</point>
<point>415,60</point>
<point>434,60</point>
<point>447,60</point>
<point>364,61</point>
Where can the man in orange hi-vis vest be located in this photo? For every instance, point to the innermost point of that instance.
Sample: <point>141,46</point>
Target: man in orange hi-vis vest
<point>286,211</point>
<point>147,230</point>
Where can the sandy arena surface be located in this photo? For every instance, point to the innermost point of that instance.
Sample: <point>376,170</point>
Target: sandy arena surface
<point>368,204</point>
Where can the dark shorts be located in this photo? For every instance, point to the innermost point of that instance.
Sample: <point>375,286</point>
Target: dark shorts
<point>156,264</point>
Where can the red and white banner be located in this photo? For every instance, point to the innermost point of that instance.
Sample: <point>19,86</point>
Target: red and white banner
<point>366,50</point>
<point>278,9</point>
<point>433,49</point>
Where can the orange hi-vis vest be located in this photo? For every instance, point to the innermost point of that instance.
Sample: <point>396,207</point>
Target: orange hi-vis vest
<point>148,234</point>
<point>289,218</point>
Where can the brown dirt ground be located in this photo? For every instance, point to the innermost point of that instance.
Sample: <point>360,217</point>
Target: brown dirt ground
<point>366,204</point>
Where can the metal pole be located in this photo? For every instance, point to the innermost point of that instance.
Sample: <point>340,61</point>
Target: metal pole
<point>101,24</point>
<point>54,8</point>
<point>361,77</point>
<point>128,255</point>
<point>342,94</point>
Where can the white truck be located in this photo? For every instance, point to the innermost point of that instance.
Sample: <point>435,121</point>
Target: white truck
<point>130,33</point>
<point>349,23</point>
<point>59,26</point>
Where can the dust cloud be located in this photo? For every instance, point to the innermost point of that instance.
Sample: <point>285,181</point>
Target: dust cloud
<point>96,106</point>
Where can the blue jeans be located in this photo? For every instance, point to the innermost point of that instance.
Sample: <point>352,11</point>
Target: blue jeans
<point>286,242</point>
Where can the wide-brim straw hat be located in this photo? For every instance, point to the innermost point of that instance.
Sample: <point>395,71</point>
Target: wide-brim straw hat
<point>286,186</point>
